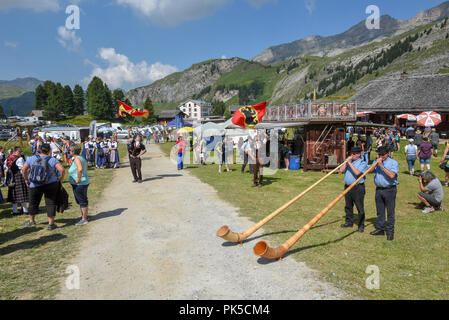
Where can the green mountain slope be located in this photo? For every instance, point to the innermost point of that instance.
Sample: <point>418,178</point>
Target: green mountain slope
<point>28,83</point>
<point>21,105</point>
<point>8,91</point>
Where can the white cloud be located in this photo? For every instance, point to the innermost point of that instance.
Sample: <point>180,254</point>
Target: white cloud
<point>68,39</point>
<point>310,5</point>
<point>37,5</point>
<point>223,57</point>
<point>121,72</point>
<point>11,44</point>
<point>173,12</point>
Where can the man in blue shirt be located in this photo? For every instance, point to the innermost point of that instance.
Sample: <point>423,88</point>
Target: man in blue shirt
<point>355,167</point>
<point>386,179</point>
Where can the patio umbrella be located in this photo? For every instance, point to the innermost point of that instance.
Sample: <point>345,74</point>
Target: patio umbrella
<point>409,117</point>
<point>185,130</point>
<point>429,119</point>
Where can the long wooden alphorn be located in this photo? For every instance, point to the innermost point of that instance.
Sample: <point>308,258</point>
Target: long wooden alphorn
<point>225,233</point>
<point>262,249</point>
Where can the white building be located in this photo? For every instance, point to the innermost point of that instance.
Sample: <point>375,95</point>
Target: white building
<point>196,109</point>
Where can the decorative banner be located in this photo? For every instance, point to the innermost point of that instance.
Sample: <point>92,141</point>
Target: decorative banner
<point>273,113</point>
<point>345,111</point>
<point>250,117</point>
<point>124,110</point>
<point>302,112</point>
<point>409,117</point>
<point>322,111</point>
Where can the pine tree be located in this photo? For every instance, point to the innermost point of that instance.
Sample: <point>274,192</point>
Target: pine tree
<point>68,105</point>
<point>117,96</point>
<point>148,105</point>
<point>99,100</point>
<point>78,100</point>
<point>2,113</point>
<point>40,97</point>
<point>52,109</point>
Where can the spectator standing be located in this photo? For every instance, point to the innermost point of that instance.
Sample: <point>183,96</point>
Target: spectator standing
<point>18,191</point>
<point>410,132</point>
<point>43,175</point>
<point>432,194</point>
<point>181,145</point>
<point>221,153</point>
<point>113,153</point>
<point>79,179</point>
<point>100,154</point>
<point>246,149</point>
<point>425,154</point>
<point>418,138</point>
<point>411,154</point>
<point>435,141</point>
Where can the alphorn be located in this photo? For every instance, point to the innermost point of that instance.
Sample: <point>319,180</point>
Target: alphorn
<point>263,250</point>
<point>230,236</point>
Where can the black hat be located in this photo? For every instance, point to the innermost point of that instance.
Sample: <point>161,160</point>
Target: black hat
<point>382,150</point>
<point>356,150</point>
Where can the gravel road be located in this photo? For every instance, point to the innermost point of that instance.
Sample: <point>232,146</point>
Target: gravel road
<point>157,240</point>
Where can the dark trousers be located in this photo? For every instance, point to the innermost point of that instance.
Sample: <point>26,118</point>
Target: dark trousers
<point>355,197</point>
<point>386,200</point>
<point>51,193</point>
<point>136,168</point>
<point>258,172</point>
<point>245,162</point>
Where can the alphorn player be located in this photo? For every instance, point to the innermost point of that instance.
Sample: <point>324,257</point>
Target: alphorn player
<point>354,168</point>
<point>386,180</point>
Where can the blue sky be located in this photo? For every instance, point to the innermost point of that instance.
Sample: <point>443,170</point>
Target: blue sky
<point>129,43</point>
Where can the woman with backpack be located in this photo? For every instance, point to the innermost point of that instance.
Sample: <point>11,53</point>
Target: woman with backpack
<point>43,175</point>
<point>79,180</point>
<point>18,192</point>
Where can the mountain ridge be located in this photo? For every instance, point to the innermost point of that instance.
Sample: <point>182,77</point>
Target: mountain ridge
<point>356,36</point>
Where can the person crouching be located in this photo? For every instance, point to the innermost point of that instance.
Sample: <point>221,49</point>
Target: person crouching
<point>432,193</point>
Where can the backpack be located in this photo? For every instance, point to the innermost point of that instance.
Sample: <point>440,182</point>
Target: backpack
<point>39,173</point>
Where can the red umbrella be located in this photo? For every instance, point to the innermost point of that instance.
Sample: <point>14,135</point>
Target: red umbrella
<point>409,117</point>
<point>429,119</point>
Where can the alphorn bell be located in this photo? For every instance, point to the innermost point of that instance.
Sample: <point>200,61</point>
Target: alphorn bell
<point>262,249</point>
<point>230,236</point>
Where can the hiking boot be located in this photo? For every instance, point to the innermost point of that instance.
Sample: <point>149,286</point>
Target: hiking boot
<point>29,224</point>
<point>82,222</point>
<point>428,210</point>
<point>52,227</point>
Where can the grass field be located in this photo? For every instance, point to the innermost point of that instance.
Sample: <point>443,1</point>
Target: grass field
<point>33,260</point>
<point>414,266</point>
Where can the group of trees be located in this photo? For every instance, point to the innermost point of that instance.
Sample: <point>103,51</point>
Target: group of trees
<point>56,100</point>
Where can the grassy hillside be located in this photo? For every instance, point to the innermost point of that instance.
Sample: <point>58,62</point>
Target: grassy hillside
<point>8,91</point>
<point>21,105</point>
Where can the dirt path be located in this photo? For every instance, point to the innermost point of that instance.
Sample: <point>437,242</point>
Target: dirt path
<point>157,241</point>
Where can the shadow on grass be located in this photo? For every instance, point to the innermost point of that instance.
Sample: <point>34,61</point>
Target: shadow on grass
<point>31,243</point>
<point>267,261</point>
<point>11,235</point>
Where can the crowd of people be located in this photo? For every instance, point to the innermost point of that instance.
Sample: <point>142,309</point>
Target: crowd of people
<point>29,178</point>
